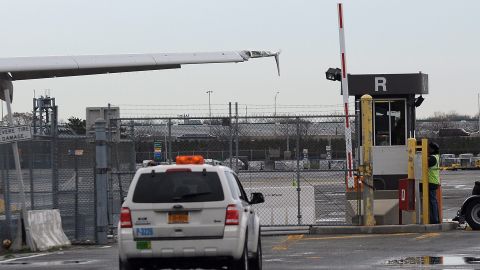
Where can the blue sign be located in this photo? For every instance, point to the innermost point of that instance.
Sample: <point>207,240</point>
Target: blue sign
<point>157,151</point>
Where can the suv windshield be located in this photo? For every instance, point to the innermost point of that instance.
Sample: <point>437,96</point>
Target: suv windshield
<point>178,187</point>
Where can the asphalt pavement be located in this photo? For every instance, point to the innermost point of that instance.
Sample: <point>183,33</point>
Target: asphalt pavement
<point>448,250</point>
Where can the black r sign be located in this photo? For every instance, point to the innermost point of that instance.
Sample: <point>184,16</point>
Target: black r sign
<point>388,84</point>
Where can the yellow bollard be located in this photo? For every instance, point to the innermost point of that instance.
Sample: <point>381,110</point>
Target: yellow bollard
<point>412,145</point>
<point>367,139</point>
<point>425,210</point>
<point>412,149</point>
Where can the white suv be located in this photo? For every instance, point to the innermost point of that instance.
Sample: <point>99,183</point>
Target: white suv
<point>189,215</point>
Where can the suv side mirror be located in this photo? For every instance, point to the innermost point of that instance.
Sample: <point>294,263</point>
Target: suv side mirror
<point>256,198</point>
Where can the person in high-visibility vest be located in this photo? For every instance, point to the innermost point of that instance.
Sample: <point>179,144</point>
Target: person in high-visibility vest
<point>433,181</point>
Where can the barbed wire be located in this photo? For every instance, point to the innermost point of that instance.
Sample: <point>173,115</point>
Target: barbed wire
<point>205,110</point>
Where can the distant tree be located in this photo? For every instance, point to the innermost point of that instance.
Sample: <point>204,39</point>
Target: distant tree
<point>449,116</point>
<point>77,125</point>
<point>22,118</point>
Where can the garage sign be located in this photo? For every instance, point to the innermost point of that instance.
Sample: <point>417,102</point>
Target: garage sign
<point>15,134</point>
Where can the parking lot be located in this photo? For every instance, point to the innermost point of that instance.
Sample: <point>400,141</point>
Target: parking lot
<point>449,250</point>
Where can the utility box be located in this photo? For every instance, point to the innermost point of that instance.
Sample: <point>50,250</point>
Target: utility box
<point>406,194</point>
<point>406,201</point>
<point>106,113</point>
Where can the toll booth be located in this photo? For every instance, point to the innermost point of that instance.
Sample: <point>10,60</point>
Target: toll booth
<point>395,99</point>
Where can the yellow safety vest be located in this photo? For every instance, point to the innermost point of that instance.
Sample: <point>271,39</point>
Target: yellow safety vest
<point>434,172</point>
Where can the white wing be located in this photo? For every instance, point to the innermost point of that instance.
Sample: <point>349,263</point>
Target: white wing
<point>24,68</point>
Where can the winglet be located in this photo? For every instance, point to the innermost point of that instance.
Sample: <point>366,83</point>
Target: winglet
<point>259,54</point>
<point>277,60</point>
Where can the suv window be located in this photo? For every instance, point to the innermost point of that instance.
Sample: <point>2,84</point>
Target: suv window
<point>178,187</point>
<point>232,183</point>
<point>243,195</point>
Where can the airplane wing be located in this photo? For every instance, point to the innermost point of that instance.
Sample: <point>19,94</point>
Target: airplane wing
<point>25,68</point>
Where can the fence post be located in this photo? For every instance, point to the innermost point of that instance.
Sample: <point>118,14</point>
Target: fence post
<point>53,159</point>
<point>31,157</point>
<point>236,137</point>
<point>75,166</point>
<point>113,162</point>
<point>230,146</point>
<point>299,210</point>
<point>101,182</point>
<point>133,156</point>
<point>6,188</point>
<point>170,141</point>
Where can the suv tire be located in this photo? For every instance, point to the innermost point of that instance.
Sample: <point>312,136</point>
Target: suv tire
<point>255,263</point>
<point>242,263</point>
<point>472,215</point>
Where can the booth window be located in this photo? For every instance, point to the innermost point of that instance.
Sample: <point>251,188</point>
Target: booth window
<point>389,122</point>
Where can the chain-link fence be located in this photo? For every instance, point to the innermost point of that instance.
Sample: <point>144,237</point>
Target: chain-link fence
<point>57,173</point>
<point>297,162</point>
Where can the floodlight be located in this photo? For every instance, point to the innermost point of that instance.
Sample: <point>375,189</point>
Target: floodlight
<point>418,101</point>
<point>334,74</point>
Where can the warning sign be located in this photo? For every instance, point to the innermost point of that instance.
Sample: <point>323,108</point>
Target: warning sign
<point>14,134</point>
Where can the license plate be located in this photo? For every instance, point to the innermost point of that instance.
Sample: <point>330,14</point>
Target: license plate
<point>144,231</point>
<point>177,217</point>
<point>144,245</point>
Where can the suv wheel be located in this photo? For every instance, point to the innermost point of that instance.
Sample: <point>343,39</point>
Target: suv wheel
<point>255,263</point>
<point>472,215</point>
<point>242,263</point>
<point>126,265</point>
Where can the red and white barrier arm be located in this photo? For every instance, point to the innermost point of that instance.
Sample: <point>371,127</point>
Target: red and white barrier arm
<point>348,130</point>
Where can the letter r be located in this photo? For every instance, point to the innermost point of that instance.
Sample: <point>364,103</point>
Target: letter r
<point>380,82</point>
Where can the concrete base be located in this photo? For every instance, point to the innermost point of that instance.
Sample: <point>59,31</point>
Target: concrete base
<point>385,229</point>
<point>382,229</point>
<point>385,207</point>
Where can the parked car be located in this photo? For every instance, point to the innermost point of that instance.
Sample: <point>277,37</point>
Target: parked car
<point>241,165</point>
<point>191,215</point>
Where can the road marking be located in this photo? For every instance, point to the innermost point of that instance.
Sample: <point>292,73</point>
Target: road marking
<point>26,257</point>
<point>427,235</point>
<point>355,236</point>
<point>287,242</point>
<point>274,260</point>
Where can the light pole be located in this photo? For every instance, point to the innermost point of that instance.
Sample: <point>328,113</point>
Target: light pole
<point>209,105</point>
<point>478,100</point>
<point>275,106</point>
<point>275,114</point>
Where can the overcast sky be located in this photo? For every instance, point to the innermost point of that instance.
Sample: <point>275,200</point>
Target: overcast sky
<point>440,38</point>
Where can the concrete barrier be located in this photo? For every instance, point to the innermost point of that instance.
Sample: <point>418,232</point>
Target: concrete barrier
<point>280,206</point>
<point>45,229</point>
